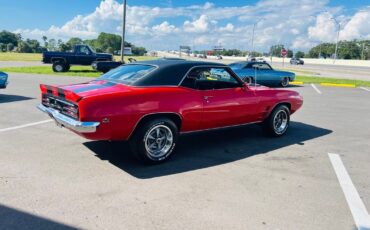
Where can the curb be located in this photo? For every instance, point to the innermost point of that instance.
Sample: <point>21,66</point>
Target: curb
<point>296,82</point>
<point>338,85</point>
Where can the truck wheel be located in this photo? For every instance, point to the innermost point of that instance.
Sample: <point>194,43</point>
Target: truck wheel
<point>59,66</point>
<point>154,141</point>
<point>277,123</point>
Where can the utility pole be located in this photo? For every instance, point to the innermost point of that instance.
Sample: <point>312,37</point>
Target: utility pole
<point>254,27</point>
<point>362,53</point>
<point>336,45</point>
<point>123,32</point>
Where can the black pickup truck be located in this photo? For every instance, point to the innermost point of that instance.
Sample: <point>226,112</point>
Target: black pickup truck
<point>81,55</point>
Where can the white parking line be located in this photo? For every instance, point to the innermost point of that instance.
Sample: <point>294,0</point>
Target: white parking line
<point>365,88</point>
<point>316,89</point>
<point>357,207</point>
<point>24,126</point>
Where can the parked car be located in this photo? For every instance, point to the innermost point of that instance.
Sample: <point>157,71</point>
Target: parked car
<point>151,103</point>
<point>81,55</point>
<point>261,73</point>
<point>3,80</point>
<point>296,61</point>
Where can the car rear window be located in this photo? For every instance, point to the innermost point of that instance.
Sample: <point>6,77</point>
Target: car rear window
<point>128,74</point>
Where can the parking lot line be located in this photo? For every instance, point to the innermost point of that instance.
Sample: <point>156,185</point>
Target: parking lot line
<point>365,88</point>
<point>24,126</point>
<point>357,207</point>
<point>316,89</point>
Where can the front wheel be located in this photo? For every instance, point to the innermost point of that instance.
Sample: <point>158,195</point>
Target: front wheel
<point>154,141</point>
<point>278,122</point>
<point>59,67</point>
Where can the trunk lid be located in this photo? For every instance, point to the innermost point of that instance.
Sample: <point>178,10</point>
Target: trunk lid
<point>76,92</point>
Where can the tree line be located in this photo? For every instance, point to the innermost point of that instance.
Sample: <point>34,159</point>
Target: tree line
<point>105,42</point>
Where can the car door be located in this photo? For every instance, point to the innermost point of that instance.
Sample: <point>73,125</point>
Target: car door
<point>265,74</point>
<point>83,56</point>
<point>226,101</point>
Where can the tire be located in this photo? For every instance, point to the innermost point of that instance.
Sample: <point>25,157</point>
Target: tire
<point>147,142</point>
<point>277,123</point>
<point>59,66</point>
<point>284,82</point>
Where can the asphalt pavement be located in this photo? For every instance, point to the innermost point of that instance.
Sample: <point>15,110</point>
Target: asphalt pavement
<point>237,178</point>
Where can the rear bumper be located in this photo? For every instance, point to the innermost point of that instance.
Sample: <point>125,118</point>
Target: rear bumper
<point>67,122</point>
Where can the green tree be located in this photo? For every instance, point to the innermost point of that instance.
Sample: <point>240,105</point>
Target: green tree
<point>290,53</point>
<point>7,37</point>
<point>45,39</point>
<point>2,47</point>
<point>52,44</point>
<point>9,47</point>
<point>299,54</point>
<point>74,41</point>
<point>275,50</point>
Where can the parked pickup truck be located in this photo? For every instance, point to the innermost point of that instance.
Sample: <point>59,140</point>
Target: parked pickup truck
<point>81,55</point>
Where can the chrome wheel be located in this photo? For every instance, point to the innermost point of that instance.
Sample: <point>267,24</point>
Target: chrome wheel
<point>59,68</point>
<point>158,141</point>
<point>280,122</point>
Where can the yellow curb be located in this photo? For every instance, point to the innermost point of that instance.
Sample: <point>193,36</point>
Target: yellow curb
<point>296,83</point>
<point>339,85</point>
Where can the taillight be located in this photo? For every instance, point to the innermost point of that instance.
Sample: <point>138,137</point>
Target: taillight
<point>70,110</point>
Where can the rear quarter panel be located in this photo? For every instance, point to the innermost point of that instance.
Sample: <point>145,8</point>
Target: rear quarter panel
<point>125,110</point>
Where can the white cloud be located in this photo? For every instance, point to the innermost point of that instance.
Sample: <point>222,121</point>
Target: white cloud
<point>165,28</point>
<point>296,24</point>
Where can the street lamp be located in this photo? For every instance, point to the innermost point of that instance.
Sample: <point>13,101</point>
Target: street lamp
<point>336,45</point>
<point>123,32</point>
<point>254,27</point>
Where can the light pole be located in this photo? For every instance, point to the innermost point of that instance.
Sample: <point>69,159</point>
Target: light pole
<point>123,32</point>
<point>254,27</point>
<point>336,45</point>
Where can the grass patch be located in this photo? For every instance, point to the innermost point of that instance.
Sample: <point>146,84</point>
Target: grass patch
<point>20,57</point>
<point>312,79</point>
<point>81,71</point>
<point>10,56</point>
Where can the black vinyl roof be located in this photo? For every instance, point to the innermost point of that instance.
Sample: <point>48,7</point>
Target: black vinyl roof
<point>169,71</point>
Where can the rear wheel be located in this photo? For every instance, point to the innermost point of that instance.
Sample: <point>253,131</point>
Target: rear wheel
<point>284,82</point>
<point>278,122</point>
<point>59,66</point>
<point>154,141</point>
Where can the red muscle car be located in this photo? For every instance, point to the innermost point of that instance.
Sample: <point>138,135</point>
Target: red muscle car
<point>150,103</point>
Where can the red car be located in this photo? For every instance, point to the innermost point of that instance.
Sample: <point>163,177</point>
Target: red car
<point>150,103</point>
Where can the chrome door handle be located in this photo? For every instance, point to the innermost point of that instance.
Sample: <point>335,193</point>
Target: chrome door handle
<point>207,97</point>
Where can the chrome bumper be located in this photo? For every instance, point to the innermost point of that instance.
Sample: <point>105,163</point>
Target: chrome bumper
<point>64,121</point>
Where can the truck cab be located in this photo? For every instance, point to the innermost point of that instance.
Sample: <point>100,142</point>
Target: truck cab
<point>81,55</point>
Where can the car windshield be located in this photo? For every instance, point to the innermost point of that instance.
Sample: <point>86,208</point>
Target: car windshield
<point>127,74</point>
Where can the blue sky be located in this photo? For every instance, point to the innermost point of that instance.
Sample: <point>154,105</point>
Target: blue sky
<point>297,24</point>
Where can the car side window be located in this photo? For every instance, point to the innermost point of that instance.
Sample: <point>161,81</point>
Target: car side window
<point>261,66</point>
<point>84,50</point>
<point>207,78</point>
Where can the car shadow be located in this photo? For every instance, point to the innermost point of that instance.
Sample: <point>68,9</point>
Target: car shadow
<point>6,98</point>
<point>15,219</point>
<point>206,149</point>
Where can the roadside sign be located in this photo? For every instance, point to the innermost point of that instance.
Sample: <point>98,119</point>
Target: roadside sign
<point>283,52</point>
